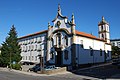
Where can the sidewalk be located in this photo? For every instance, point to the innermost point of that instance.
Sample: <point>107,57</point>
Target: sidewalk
<point>23,72</point>
<point>36,74</point>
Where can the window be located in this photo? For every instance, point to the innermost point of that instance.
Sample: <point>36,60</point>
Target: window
<point>100,52</point>
<point>39,47</point>
<point>103,36</point>
<point>39,39</point>
<point>36,47</point>
<point>107,53</point>
<point>101,27</point>
<point>59,39</point>
<point>66,40</point>
<point>32,47</point>
<point>52,42</point>
<point>26,57</point>
<point>35,40</point>
<point>35,58</point>
<point>81,41</point>
<point>31,41</point>
<point>28,47</point>
<point>91,51</point>
<point>28,41</point>
<point>113,44</point>
<point>65,54</point>
<point>22,57</point>
<point>29,57</point>
<point>51,55</point>
<point>32,57</point>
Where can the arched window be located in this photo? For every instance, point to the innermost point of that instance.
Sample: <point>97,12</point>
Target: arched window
<point>101,27</point>
<point>66,54</point>
<point>103,36</point>
<point>52,42</point>
<point>66,40</point>
<point>58,39</point>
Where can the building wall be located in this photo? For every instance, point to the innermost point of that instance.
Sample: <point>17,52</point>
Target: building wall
<point>84,46</point>
<point>33,46</point>
<point>115,42</point>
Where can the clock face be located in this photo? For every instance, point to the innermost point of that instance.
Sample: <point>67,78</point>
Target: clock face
<point>58,23</point>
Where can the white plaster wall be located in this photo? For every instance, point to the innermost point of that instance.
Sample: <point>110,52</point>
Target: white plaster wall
<point>63,24</point>
<point>32,41</point>
<point>83,54</point>
<point>108,51</point>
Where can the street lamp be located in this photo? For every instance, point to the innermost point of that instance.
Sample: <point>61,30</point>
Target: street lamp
<point>41,62</point>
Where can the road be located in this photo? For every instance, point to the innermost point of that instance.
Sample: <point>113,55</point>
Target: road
<point>10,75</point>
<point>102,72</point>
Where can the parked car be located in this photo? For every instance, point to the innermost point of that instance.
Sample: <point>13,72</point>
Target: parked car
<point>50,67</point>
<point>35,68</point>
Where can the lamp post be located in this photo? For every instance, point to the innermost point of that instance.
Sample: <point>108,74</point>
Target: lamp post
<point>41,62</point>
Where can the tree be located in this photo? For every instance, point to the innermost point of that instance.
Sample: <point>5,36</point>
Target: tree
<point>115,51</point>
<point>10,50</point>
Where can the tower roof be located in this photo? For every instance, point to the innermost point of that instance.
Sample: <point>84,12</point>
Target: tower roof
<point>103,21</point>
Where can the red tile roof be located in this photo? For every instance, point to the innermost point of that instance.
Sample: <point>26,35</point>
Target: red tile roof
<point>37,33</point>
<point>77,33</point>
<point>87,35</point>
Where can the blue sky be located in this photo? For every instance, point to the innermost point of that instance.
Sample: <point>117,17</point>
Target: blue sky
<point>30,16</point>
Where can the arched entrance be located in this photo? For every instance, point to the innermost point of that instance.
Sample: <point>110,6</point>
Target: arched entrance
<point>59,57</point>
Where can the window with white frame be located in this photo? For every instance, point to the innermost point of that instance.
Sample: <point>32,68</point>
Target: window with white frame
<point>39,39</point>
<point>35,40</point>
<point>23,57</point>
<point>32,57</point>
<point>38,47</point>
<point>36,58</point>
<point>26,57</point>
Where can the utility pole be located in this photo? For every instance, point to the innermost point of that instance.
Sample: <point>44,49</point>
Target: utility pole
<point>41,62</point>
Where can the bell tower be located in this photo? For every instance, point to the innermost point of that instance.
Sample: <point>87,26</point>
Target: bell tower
<point>104,32</point>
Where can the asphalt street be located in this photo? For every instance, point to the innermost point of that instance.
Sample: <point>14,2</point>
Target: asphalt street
<point>10,75</point>
<point>103,72</point>
<point>95,73</point>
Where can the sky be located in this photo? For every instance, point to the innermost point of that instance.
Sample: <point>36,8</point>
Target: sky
<point>31,16</point>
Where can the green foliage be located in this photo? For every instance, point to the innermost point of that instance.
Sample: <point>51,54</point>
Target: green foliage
<point>16,66</point>
<point>115,51</point>
<point>10,50</point>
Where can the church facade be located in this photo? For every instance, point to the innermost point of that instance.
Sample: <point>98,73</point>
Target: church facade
<point>62,44</point>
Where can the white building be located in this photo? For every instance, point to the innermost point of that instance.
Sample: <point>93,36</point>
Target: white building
<point>115,42</point>
<point>62,44</point>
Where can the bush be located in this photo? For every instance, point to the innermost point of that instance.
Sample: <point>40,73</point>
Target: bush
<point>16,66</point>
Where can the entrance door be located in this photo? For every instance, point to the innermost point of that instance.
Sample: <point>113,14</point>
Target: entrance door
<point>59,58</point>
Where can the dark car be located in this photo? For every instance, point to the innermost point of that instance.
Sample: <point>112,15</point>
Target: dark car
<point>35,68</point>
